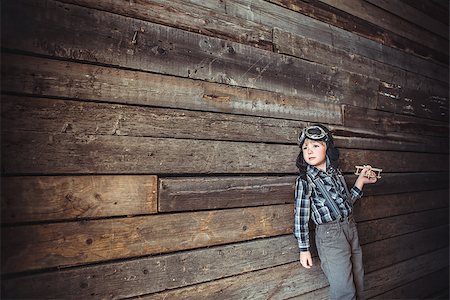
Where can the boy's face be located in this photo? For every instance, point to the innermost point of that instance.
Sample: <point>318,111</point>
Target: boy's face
<point>314,153</point>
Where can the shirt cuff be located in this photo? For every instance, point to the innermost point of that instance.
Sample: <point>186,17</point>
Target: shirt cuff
<point>303,248</point>
<point>357,192</point>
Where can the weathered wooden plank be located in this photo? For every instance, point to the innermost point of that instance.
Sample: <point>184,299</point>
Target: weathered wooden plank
<point>29,199</point>
<point>30,152</point>
<point>283,282</point>
<point>76,117</point>
<point>75,243</point>
<point>375,15</point>
<point>50,153</point>
<point>398,225</point>
<point>401,183</point>
<point>391,277</point>
<point>211,21</point>
<point>387,122</point>
<point>420,102</point>
<point>161,49</point>
<point>279,282</point>
<point>420,288</point>
<point>404,247</point>
<point>199,193</point>
<point>45,77</point>
<point>23,113</point>
<point>381,206</point>
<point>280,17</point>
<point>348,22</point>
<point>429,8</point>
<point>427,98</point>
<point>412,15</point>
<point>154,274</point>
<point>192,267</point>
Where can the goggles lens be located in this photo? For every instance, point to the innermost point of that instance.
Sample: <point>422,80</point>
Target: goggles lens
<point>313,133</point>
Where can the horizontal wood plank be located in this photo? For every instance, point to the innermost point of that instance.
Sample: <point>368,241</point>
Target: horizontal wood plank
<point>279,17</point>
<point>381,206</point>
<point>66,244</point>
<point>397,225</point>
<point>387,122</point>
<point>413,94</point>
<point>75,243</point>
<point>80,117</point>
<point>382,280</point>
<point>199,193</point>
<point>155,274</point>
<point>351,23</point>
<point>211,21</point>
<point>390,22</point>
<point>161,49</point>
<point>412,15</point>
<point>40,198</point>
<point>177,270</point>
<point>46,77</point>
<point>56,153</point>
<point>422,288</point>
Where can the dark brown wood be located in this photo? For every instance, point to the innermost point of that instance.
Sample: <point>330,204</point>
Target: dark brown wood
<point>88,118</point>
<point>208,21</point>
<point>160,49</point>
<point>55,153</point>
<point>154,274</point>
<point>387,122</point>
<point>412,15</point>
<point>400,91</point>
<point>398,225</point>
<point>348,22</point>
<point>404,182</point>
<point>404,247</point>
<point>421,288</point>
<point>199,193</point>
<point>382,280</point>
<point>429,8</point>
<point>41,198</point>
<point>382,206</point>
<point>279,17</point>
<point>45,77</point>
<point>384,19</point>
<point>76,243</point>
<point>280,282</point>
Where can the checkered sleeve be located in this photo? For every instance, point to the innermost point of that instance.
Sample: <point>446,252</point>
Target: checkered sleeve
<point>355,194</point>
<point>302,214</point>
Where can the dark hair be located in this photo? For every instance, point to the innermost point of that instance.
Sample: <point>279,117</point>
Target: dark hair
<point>332,153</point>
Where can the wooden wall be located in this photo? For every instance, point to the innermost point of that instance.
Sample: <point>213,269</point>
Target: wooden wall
<point>148,147</point>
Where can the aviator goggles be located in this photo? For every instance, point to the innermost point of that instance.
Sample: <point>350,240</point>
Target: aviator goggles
<point>313,133</point>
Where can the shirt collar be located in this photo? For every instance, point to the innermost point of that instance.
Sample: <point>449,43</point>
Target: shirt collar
<point>314,171</point>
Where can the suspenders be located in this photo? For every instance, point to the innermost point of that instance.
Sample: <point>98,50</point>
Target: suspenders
<point>317,182</point>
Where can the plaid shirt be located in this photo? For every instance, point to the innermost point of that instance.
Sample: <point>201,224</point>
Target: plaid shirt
<point>315,203</point>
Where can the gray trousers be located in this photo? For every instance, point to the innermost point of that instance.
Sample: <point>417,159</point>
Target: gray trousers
<point>341,258</point>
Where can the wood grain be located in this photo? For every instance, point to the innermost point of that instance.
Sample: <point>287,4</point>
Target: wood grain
<point>381,281</point>
<point>351,23</point>
<point>171,51</point>
<point>154,274</point>
<point>56,153</point>
<point>384,19</point>
<point>53,78</point>
<point>43,198</point>
<point>76,243</point>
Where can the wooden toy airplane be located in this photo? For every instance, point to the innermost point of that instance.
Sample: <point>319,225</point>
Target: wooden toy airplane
<point>377,171</point>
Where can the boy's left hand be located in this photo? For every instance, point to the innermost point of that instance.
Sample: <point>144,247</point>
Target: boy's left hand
<point>366,171</point>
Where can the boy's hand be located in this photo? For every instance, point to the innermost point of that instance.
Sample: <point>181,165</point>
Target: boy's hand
<point>362,178</point>
<point>306,259</point>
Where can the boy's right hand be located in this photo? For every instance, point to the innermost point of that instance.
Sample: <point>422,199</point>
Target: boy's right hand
<point>306,259</point>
